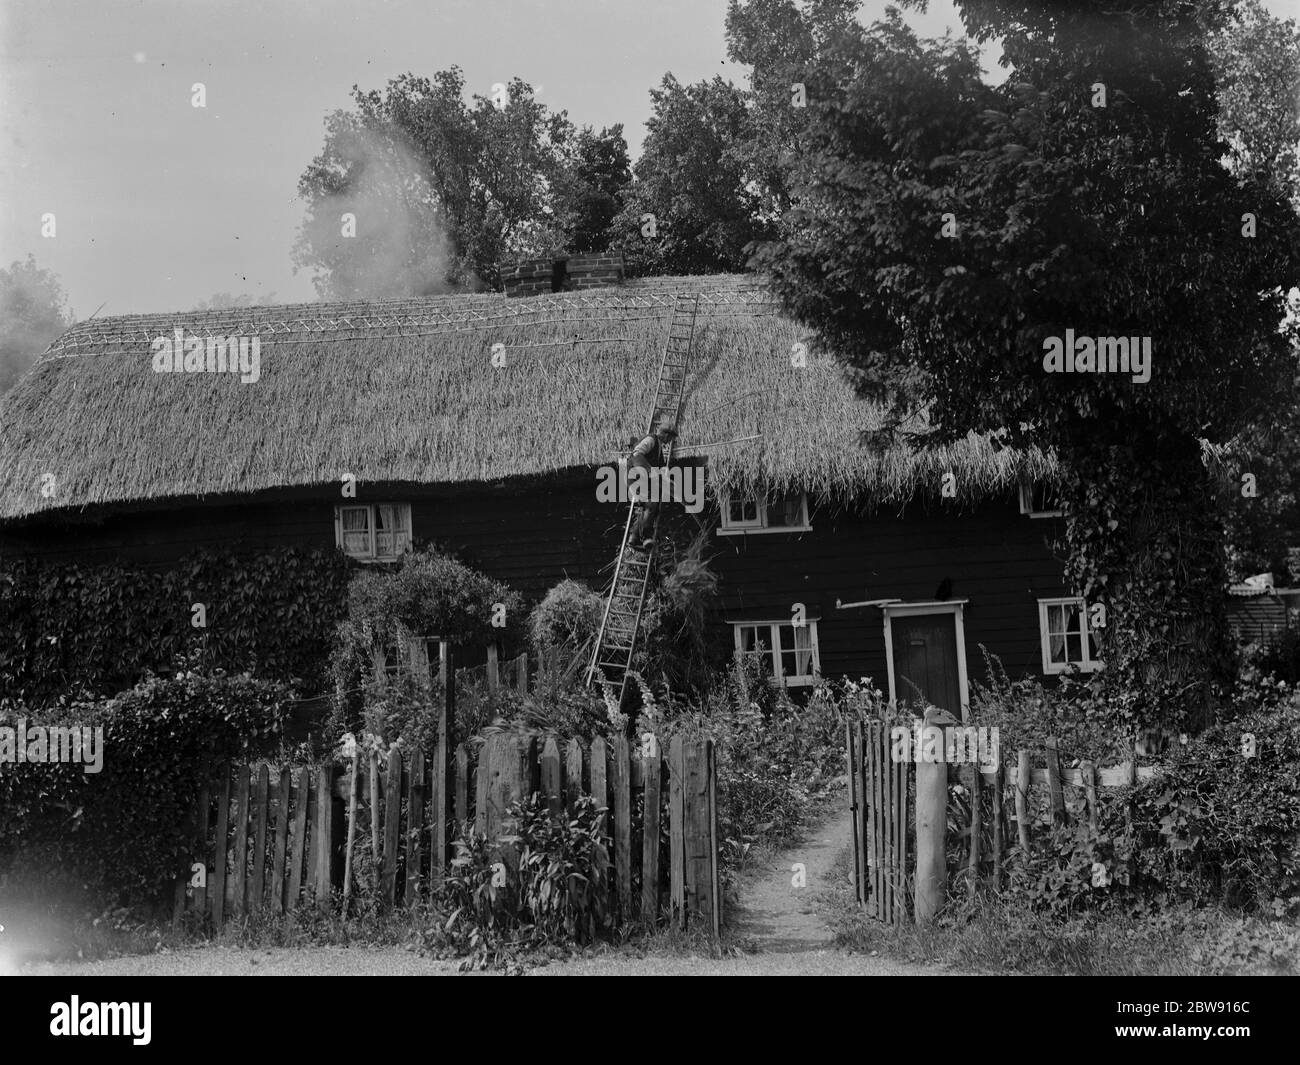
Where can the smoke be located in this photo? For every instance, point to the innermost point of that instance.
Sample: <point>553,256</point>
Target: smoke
<point>381,235</point>
<point>32,316</point>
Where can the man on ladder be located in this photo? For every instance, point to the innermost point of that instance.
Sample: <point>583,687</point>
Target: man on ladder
<point>650,455</point>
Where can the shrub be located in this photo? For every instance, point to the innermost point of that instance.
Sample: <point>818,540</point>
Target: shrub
<point>100,629</point>
<point>565,622</point>
<point>1027,713</point>
<point>546,894</point>
<point>427,594</point>
<point>1220,823</point>
<point>125,830</point>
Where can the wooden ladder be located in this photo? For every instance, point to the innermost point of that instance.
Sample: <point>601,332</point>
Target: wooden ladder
<point>621,623</point>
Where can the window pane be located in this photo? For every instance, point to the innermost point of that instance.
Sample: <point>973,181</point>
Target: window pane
<point>803,651</point>
<point>1056,649</point>
<point>785,510</point>
<point>356,531</point>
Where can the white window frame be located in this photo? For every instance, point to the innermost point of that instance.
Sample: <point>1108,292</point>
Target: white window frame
<point>371,555</point>
<point>1089,664</point>
<point>759,527</point>
<point>955,607</point>
<point>1027,503</point>
<point>774,649</point>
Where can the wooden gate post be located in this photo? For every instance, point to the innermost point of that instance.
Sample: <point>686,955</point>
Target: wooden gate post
<point>442,767</point>
<point>931,826</point>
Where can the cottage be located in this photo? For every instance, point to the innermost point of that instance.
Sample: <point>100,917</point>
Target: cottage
<point>372,426</point>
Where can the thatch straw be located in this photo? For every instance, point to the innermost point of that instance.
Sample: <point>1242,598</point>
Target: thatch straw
<point>434,409</point>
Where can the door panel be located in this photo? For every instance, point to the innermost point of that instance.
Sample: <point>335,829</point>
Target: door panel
<point>925,654</point>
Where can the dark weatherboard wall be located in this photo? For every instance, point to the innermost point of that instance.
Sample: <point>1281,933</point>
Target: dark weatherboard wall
<point>534,533</point>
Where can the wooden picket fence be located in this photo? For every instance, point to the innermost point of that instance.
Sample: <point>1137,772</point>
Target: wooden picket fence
<point>878,801</point>
<point>882,804</point>
<point>275,840</point>
<point>1051,804</point>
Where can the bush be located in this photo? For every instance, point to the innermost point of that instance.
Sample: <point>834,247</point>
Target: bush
<point>566,622</point>
<point>772,764</point>
<point>98,630</point>
<point>124,831</point>
<point>546,895</point>
<point>1027,713</point>
<point>428,594</point>
<point>1219,824</point>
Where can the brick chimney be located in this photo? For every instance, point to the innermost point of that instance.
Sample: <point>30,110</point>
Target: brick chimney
<point>563,273</point>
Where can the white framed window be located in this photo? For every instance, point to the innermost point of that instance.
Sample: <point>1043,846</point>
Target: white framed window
<point>790,650</point>
<point>1066,639</point>
<point>754,513</point>
<point>1039,501</point>
<point>373,532</point>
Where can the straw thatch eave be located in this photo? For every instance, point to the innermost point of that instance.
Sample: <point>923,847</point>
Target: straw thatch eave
<point>407,391</point>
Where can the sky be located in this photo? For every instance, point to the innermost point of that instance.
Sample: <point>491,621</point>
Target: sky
<point>159,204</point>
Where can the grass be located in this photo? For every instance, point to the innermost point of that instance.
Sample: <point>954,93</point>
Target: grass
<point>997,936</point>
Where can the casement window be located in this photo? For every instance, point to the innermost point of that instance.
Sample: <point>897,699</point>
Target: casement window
<point>1067,641</point>
<point>373,532</point>
<point>754,513</point>
<point>790,650</point>
<point>1039,501</point>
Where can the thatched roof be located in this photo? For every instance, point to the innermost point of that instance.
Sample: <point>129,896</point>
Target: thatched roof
<point>406,391</point>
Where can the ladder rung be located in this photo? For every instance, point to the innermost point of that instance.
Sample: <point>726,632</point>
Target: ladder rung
<point>611,665</point>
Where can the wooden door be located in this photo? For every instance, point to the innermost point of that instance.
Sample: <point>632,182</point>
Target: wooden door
<point>925,655</point>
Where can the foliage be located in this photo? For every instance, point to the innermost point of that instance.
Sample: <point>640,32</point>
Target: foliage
<point>1026,713</point>
<point>774,757</point>
<point>1066,215</point>
<point>565,623</point>
<point>546,893</point>
<point>679,648</point>
<point>1216,825</point>
<point>98,629</point>
<point>601,173</point>
<point>445,190</point>
<point>125,831</point>
<point>1256,61</point>
<point>426,594</point>
<point>1222,822</point>
<point>692,178</point>
<point>33,312</point>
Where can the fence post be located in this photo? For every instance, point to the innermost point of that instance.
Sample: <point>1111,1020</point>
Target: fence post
<point>999,830</point>
<point>392,823</point>
<point>1054,794</point>
<point>521,673</point>
<point>353,784</point>
<point>931,824</point>
<point>551,781</point>
<point>650,767</point>
<point>442,763</point>
<point>324,835</point>
<point>1022,800</point>
<point>493,667</point>
<point>623,826</point>
<point>976,827</point>
<point>1090,792</point>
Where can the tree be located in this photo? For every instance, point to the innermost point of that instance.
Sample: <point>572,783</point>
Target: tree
<point>1256,60</point>
<point>601,174</point>
<point>439,190</point>
<point>692,208</point>
<point>947,234</point>
<point>33,312</point>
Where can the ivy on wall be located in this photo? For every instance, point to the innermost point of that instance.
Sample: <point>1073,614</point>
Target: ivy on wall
<point>98,629</point>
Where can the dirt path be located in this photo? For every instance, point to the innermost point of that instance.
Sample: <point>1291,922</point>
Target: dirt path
<point>777,916</point>
<point>776,925</point>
